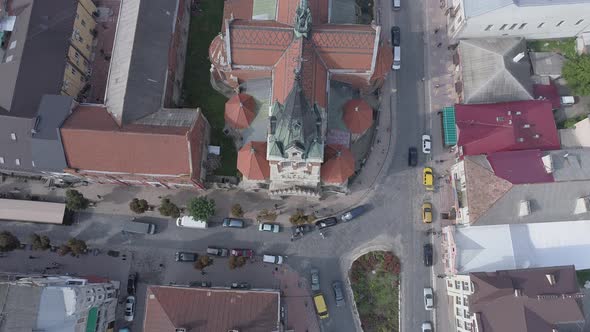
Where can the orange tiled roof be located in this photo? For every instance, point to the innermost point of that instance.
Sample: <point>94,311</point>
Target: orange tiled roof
<point>286,11</point>
<point>239,111</point>
<point>338,164</point>
<point>284,72</point>
<point>319,10</point>
<point>314,76</point>
<point>258,43</point>
<point>357,115</point>
<point>239,9</point>
<point>345,46</point>
<point>252,161</point>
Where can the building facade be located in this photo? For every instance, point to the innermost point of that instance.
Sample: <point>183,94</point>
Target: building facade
<point>57,303</point>
<point>528,19</point>
<point>459,288</point>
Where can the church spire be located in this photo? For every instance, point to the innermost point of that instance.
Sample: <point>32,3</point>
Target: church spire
<point>302,20</point>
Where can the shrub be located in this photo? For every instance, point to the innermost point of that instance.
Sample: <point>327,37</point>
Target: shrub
<point>265,214</point>
<point>139,205</point>
<point>77,247</point>
<point>203,262</point>
<point>169,209</point>
<point>236,262</point>
<point>75,201</point>
<point>299,218</point>
<point>201,208</point>
<point>576,72</point>
<point>391,263</point>
<point>8,242</point>
<point>236,210</point>
<point>40,242</point>
<point>63,250</point>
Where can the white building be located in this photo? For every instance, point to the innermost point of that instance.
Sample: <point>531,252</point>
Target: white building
<point>532,19</point>
<point>57,304</point>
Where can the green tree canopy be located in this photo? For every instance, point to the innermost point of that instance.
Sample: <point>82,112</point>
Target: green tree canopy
<point>75,201</point>
<point>201,208</point>
<point>139,205</point>
<point>169,209</point>
<point>40,242</point>
<point>576,72</point>
<point>8,242</point>
<point>77,247</point>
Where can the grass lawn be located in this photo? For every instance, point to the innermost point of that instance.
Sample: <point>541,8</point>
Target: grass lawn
<point>567,46</point>
<point>198,91</point>
<point>375,279</point>
<point>583,276</point>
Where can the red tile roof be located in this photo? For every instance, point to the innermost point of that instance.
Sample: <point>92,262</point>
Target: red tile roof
<point>284,72</point>
<point>319,11</point>
<point>258,43</point>
<point>519,125</point>
<point>239,9</point>
<point>93,141</point>
<point>239,111</point>
<point>206,310</point>
<point>286,11</point>
<point>338,164</point>
<point>520,166</point>
<point>549,92</point>
<point>345,46</point>
<point>314,76</point>
<point>252,161</point>
<point>357,115</point>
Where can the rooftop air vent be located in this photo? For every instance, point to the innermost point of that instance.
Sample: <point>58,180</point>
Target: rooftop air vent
<point>550,278</point>
<point>518,57</point>
<point>526,125</point>
<point>517,292</point>
<point>547,163</point>
<point>520,139</point>
<point>536,136</point>
<point>524,208</point>
<point>518,113</point>
<point>582,205</point>
<point>180,329</point>
<point>499,119</point>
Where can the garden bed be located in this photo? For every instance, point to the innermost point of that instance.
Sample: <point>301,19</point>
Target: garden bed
<point>565,47</point>
<point>375,283</point>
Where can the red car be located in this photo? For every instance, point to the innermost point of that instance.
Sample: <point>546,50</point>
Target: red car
<point>242,253</point>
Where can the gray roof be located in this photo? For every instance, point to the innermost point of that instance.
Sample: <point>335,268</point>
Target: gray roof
<point>140,59</point>
<point>489,73</point>
<point>18,308</point>
<point>11,150</point>
<point>547,63</point>
<point>480,7</point>
<point>297,125</point>
<point>52,315</point>
<point>570,165</point>
<point>42,33</point>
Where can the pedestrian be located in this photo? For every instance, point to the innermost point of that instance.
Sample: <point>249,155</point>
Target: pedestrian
<point>439,45</point>
<point>203,273</point>
<point>435,31</point>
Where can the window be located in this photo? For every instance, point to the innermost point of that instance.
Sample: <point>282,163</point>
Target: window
<point>503,26</point>
<point>459,323</point>
<point>468,326</point>
<point>458,312</point>
<point>465,285</point>
<point>13,136</point>
<point>522,26</point>
<point>560,23</point>
<point>449,284</point>
<point>458,300</point>
<point>9,58</point>
<point>577,23</point>
<point>77,55</point>
<point>457,284</point>
<point>466,313</point>
<point>1,160</point>
<point>13,43</point>
<point>465,301</point>
<point>83,23</point>
<point>513,26</point>
<point>73,71</point>
<point>489,27</point>
<point>17,161</point>
<point>540,25</point>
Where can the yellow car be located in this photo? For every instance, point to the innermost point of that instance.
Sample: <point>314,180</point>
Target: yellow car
<point>427,213</point>
<point>428,178</point>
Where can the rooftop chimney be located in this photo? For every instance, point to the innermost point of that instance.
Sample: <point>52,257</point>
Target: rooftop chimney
<point>550,278</point>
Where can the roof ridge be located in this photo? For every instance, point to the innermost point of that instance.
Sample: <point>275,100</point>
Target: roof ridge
<point>517,81</point>
<point>492,195</point>
<point>491,78</point>
<point>156,297</point>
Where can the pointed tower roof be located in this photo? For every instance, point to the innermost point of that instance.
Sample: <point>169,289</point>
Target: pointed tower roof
<point>338,165</point>
<point>239,111</point>
<point>357,115</point>
<point>252,161</point>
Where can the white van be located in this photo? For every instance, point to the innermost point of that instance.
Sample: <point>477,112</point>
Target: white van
<point>273,259</point>
<point>396,58</point>
<point>396,4</point>
<point>190,222</point>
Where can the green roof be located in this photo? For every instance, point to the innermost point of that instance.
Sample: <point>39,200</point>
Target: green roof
<point>92,320</point>
<point>449,127</point>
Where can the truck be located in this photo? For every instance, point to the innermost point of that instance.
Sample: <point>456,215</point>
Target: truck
<point>190,222</point>
<point>320,305</point>
<point>139,227</point>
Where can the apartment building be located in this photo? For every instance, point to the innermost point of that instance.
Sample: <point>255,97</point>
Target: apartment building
<point>531,19</point>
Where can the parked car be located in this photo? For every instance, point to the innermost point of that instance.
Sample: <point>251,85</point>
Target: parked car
<point>182,256</point>
<point>130,308</point>
<point>242,253</point>
<point>426,144</point>
<point>204,284</point>
<point>412,157</point>
<point>338,293</point>
<point>273,259</point>
<point>426,327</point>
<point>567,100</point>
<point>298,231</point>
<point>426,212</point>
<point>240,285</point>
<point>190,222</point>
<point>214,251</point>
<point>428,178</point>
<point>396,4</point>
<point>273,228</point>
<point>131,283</point>
<point>328,222</point>
<point>315,279</point>
<point>353,213</point>
<point>428,254</point>
<point>428,298</point>
<point>395,36</point>
<point>320,306</point>
<point>233,222</point>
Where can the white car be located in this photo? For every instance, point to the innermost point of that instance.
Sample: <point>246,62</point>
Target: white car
<point>426,327</point>
<point>269,228</point>
<point>428,298</point>
<point>130,308</point>
<point>273,259</point>
<point>426,144</point>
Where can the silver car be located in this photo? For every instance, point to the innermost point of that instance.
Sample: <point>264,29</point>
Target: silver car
<point>130,308</point>
<point>315,279</point>
<point>427,327</point>
<point>338,293</point>
<point>428,298</point>
<point>269,228</point>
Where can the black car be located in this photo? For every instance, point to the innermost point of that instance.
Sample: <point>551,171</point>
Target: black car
<point>328,222</point>
<point>353,213</point>
<point>182,256</point>
<point>412,156</point>
<point>428,254</point>
<point>395,36</point>
<point>131,283</point>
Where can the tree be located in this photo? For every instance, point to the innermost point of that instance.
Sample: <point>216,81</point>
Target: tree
<point>75,201</point>
<point>299,218</point>
<point>169,209</point>
<point>201,208</point>
<point>77,247</point>
<point>63,250</point>
<point>8,242</point>
<point>40,242</point>
<point>265,214</point>
<point>236,262</point>
<point>203,262</point>
<point>576,72</point>
<point>139,205</point>
<point>237,211</point>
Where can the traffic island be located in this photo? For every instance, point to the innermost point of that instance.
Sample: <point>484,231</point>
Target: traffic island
<point>374,278</point>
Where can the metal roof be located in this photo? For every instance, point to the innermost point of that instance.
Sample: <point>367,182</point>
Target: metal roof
<point>449,127</point>
<point>32,211</point>
<point>547,63</point>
